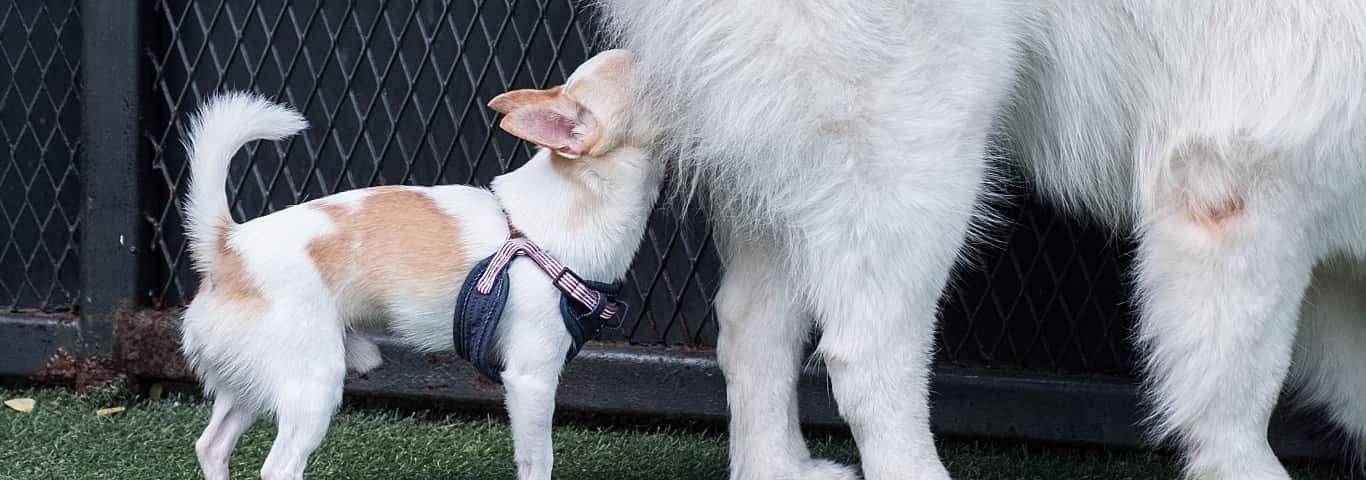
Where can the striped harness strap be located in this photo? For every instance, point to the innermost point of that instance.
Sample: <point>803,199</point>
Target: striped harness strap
<point>586,306</point>
<point>564,279</point>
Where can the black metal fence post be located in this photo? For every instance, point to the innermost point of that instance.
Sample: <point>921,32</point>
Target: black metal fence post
<point>114,235</point>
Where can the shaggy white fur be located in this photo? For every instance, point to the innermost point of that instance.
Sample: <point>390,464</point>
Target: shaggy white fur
<point>841,146</point>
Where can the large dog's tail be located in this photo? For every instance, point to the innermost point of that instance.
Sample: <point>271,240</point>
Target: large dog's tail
<point>222,126</point>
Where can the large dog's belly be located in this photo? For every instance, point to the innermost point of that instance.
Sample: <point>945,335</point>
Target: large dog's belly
<point>776,103</point>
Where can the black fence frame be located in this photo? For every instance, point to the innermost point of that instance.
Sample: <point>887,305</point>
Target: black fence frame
<point>612,378</point>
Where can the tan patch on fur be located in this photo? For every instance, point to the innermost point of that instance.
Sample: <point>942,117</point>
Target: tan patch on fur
<point>230,281</point>
<point>514,100</point>
<point>397,242</point>
<point>605,91</point>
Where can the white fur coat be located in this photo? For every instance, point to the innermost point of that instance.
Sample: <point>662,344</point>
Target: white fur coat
<point>842,147</point>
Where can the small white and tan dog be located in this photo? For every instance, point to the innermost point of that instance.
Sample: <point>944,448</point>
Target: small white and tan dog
<point>274,327</point>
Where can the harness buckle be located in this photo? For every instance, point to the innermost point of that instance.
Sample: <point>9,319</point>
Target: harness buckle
<point>617,319</point>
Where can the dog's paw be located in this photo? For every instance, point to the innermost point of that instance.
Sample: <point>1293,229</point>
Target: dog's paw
<point>826,470</point>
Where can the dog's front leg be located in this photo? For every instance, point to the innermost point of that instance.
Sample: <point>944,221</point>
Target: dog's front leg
<point>878,253</point>
<point>531,409</point>
<point>875,299</point>
<point>534,344</point>
<point>762,336</point>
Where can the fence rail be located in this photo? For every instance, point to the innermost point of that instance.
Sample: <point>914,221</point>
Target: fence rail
<point>395,93</point>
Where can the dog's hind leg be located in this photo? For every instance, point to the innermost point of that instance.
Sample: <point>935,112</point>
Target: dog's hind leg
<point>1221,283</point>
<point>305,380</point>
<point>214,448</point>
<point>1331,351</point>
<point>762,338</point>
<point>303,412</point>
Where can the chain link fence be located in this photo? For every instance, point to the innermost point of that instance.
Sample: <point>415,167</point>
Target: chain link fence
<point>1044,293</point>
<point>40,43</point>
<point>396,94</point>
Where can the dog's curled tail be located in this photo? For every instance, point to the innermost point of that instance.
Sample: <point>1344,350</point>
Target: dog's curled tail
<point>224,124</point>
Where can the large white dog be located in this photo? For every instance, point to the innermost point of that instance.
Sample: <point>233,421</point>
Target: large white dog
<point>843,143</point>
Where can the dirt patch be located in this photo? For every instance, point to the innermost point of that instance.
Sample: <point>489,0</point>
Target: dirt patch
<point>147,344</point>
<point>85,373</point>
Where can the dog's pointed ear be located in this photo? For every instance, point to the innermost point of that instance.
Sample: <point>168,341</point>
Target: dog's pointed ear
<point>547,118</point>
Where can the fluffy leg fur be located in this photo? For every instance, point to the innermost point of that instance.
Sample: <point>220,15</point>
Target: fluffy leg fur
<point>853,134</point>
<point>1331,350</point>
<point>1228,133</point>
<point>303,412</point>
<point>214,447</point>
<point>1220,305</point>
<point>875,293</point>
<point>302,383</point>
<point>762,337</point>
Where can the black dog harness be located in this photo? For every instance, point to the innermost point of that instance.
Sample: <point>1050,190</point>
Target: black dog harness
<point>586,306</point>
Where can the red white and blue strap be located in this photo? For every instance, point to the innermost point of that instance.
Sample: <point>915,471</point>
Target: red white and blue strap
<point>562,277</point>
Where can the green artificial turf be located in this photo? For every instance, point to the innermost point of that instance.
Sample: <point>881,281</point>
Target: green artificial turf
<point>64,439</point>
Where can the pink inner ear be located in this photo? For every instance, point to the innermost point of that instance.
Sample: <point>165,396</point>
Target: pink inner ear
<point>549,127</point>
